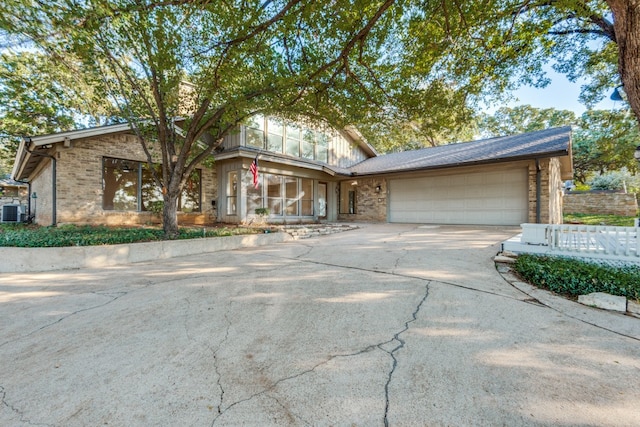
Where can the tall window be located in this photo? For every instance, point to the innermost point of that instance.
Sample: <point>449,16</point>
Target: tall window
<point>128,185</point>
<point>275,135</point>
<point>232,193</point>
<point>283,196</point>
<point>274,193</point>
<point>278,137</point>
<point>307,144</point>
<point>322,147</point>
<point>255,132</point>
<point>294,135</point>
<point>120,179</point>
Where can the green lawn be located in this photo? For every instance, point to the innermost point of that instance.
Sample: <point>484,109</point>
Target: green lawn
<point>591,219</point>
<point>20,235</point>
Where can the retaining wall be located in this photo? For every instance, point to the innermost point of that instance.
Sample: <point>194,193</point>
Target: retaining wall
<point>13,260</point>
<point>624,204</point>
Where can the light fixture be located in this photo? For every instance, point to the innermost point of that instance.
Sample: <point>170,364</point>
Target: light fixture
<point>378,188</point>
<point>615,95</point>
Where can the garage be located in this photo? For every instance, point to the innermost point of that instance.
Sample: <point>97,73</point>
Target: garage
<point>496,197</point>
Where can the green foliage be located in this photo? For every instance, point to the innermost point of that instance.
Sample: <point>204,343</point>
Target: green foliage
<point>523,118</point>
<point>604,141</point>
<point>20,235</point>
<point>41,95</point>
<point>262,211</point>
<point>615,180</point>
<point>573,277</point>
<point>592,219</point>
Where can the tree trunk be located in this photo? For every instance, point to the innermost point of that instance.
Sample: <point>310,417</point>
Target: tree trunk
<point>170,216</point>
<point>626,22</point>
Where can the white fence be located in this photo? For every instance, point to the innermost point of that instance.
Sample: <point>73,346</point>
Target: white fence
<point>585,241</point>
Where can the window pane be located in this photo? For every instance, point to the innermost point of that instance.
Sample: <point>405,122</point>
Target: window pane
<point>275,126</point>
<point>306,196</point>
<point>274,193</point>
<point>293,131</point>
<point>254,196</point>
<point>190,197</point>
<point>293,147</point>
<point>307,144</point>
<point>275,143</point>
<point>151,194</point>
<point>256,122</point>
<point>255,138</point>
<point>322,154</point>
<point>292,196</point>
<point>120,184</point>
<point>232,187</point>
<point>306,208</point>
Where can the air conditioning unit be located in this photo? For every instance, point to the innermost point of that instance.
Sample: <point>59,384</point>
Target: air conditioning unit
<point>12,213</point>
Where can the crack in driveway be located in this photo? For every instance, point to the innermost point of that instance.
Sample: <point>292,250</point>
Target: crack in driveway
<point>380,346</point>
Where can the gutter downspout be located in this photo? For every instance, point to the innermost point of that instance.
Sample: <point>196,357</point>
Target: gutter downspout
<point>53,184</point>
<point>538,190</point>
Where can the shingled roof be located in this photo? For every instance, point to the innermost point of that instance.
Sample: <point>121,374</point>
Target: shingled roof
<point>546,143</point>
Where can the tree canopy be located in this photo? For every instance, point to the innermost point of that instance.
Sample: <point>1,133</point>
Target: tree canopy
<point>409,73</point>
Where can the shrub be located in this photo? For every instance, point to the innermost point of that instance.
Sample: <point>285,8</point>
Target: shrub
<point>19,235</point>
<point>573,277</point>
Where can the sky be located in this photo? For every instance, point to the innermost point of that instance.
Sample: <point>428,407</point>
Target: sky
<point>560,94</point>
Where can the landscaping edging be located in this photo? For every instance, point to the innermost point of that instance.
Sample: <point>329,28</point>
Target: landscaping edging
<point>14,260</point>
<point>504,261</point>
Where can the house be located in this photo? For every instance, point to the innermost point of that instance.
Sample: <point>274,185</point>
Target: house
<point>99,175</point>
<point>13,200</point>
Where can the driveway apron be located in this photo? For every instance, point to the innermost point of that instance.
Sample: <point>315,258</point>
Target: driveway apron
<point>397,325</point>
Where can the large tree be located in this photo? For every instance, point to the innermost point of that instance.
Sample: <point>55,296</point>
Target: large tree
<point>523,118</point>
<point>295,58</point>
<point>491,47</point>
<point>40,96</point>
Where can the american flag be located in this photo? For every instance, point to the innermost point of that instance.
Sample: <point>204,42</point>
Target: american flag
<point>254,171</point>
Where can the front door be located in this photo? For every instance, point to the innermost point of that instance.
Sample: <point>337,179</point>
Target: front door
<point>322,200</point>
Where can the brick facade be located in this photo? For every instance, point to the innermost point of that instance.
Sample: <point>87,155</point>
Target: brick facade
<point>624,204</point>
<point>79,185</point>
<point>371,203</point>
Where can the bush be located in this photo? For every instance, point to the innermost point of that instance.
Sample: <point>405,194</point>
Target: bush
<point>19,235</point>
<point>573,277</point>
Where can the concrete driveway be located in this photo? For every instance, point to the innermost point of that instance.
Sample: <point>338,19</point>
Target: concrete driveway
<point>395,325</point>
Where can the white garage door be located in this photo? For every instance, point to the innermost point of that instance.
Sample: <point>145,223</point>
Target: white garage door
<point>483,198</point>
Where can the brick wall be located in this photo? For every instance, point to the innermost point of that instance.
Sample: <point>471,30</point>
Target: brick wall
<point>79,184</point>
<point>371,204</point>
<point>624,204</point>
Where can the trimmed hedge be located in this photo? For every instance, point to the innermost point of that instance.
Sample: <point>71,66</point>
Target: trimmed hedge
<point>574,277</point>
<point>19,235</point>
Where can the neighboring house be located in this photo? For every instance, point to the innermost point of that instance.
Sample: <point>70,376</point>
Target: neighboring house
<point>13,200</point>
<point>99,175</point>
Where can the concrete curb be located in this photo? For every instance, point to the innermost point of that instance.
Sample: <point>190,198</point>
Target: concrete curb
<point>20,260</point>
<point>622,323</point>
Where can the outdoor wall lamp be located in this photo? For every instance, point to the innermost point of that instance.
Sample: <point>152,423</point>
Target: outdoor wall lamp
<point>378,188</point>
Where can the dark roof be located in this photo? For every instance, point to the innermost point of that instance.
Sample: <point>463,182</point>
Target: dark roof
<point>545,143</point>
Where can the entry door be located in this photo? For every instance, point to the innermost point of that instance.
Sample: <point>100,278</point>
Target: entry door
<point>322,200</point>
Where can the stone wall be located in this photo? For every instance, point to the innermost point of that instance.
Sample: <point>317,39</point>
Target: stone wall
<point>371,200</point>
<point>624,204</point>
<point>550,198</point>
